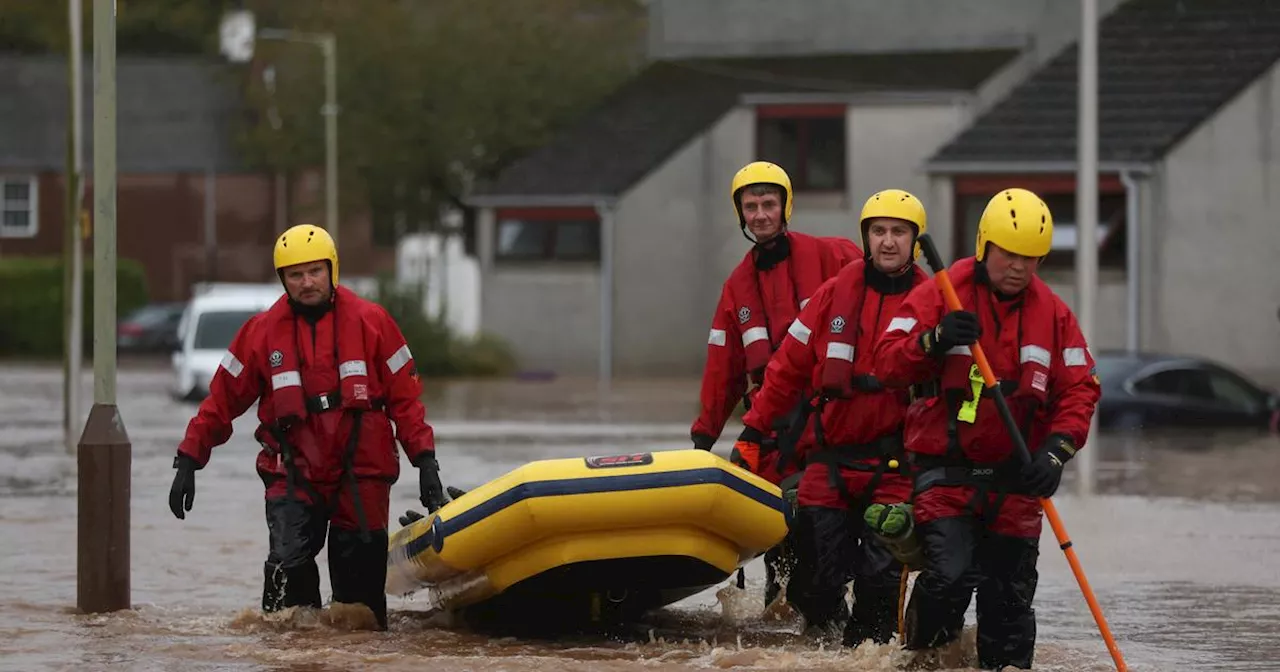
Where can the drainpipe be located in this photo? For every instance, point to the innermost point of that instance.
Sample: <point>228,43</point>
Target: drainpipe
<point>1133,233</point>
<point>605,211</point>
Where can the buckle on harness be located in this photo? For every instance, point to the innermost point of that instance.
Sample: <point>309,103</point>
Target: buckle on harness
<point>331,400</point>
<point>324,402</point>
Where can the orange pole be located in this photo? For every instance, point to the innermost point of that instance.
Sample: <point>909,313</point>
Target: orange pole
<point>1050,511</point>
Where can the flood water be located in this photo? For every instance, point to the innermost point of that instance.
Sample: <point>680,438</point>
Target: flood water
<point>1181,545</point>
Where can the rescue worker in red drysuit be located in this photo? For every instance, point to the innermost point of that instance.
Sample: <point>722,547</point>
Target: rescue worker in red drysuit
<point>976,505</point>
<point>830,349</point>
<point>330,372</point>
<point>758,302</point>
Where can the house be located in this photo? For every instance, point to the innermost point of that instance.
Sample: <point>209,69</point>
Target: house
<point>1189,176</point>
<point>188,207</point>
<point>604,251</point>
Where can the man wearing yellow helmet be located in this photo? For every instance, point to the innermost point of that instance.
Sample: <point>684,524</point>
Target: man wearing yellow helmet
<point>759,301</point>
<point>330,372</point>
<point>849,467</point>
<point>977,508</point>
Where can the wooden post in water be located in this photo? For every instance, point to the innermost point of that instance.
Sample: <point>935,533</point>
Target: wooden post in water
<point>104,453</point>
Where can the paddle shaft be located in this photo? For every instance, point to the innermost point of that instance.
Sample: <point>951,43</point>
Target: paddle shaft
<point>1051,512</point>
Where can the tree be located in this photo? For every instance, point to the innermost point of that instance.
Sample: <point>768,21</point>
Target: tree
<point>435,94</point>
<point>142,26</point>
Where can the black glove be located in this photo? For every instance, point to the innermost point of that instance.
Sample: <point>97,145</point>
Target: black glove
<point>751,435</point>
<point>411,516</point>
<point>1044,473</point>
<point>958,327</point>
<point>182,494</point>
<point>703,442</point>
<point>430,490</point>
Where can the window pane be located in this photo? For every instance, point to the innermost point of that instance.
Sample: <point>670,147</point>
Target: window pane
<point>824,167</point>
<point>1110,233</point>
<point>1111,214</point>
<point>780,143</point>
<point>519,239</point>
<point>578,240</point>
<point>16,220</point>
<point>17,191</point>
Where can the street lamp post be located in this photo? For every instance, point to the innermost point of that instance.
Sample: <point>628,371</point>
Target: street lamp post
<point>238,37</point>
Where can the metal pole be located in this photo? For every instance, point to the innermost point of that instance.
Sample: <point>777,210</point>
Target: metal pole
<point>1087,206</point>
<point>328,44</point>
<point>1133,265</point>
<point>77,249</point>
<point>73,256</point>
<point>103,488</point>
<point>605,212</point>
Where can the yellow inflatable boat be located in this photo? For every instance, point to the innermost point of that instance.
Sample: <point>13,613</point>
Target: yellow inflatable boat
<point>592,539</point>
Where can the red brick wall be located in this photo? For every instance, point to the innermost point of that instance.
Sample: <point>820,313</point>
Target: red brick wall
<point>160,223</point>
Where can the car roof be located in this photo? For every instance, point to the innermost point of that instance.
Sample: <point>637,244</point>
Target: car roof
<point>246,299</point>
<point>1145,358</point>
<point>1133,363</point>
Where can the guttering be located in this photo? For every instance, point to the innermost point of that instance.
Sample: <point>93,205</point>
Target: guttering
<point>1002,167</point>
<point>539,200</point>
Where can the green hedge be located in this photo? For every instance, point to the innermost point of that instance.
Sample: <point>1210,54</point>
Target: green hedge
<point>437,352</point>
<point>31,303</point>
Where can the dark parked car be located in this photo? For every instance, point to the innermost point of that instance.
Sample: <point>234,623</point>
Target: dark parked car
<point>1154,391</point>
<point>151,328</point>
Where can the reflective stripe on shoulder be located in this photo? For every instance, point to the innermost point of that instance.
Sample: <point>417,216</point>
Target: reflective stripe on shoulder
<point>1074,357</point>
<point>717,337</point>
<point>398,359</point>
<point>799,332</point>
<point>902,324</point>
<point>231,364</point>
<point>1034,353</point>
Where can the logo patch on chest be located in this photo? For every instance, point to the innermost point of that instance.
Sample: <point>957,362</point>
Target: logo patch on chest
<point>1040,380</point>
<point>277,358</point>
<point>744,315</point>
<point>837,325</point>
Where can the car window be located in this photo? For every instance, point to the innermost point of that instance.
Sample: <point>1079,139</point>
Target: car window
<point>1229,389</point>
<point>149,316</point>
<point>1201,385</point>
<point>1175,382</point>
<point>215,329</point>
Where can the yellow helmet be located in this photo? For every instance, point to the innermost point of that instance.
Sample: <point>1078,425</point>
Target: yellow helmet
<point>761,172</point>
<point>897,204</point>
<point>303,243</point>
<point>1017,221</point>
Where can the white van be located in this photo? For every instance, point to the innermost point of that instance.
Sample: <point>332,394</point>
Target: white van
<point>210,321</point>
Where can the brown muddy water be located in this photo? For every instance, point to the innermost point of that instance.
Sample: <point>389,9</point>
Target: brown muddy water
<point>1181,545</point>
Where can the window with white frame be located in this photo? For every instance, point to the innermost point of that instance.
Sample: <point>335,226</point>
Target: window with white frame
<point>17,207</point>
